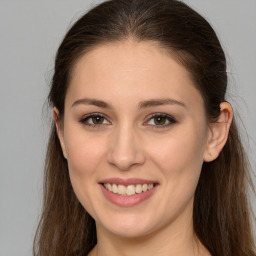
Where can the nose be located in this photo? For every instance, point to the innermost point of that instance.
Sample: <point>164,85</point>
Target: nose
<point>125,150</point>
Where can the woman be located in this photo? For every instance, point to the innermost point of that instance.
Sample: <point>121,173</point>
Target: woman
<point>144,156</point>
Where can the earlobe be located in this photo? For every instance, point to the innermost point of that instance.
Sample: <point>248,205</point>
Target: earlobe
<point>218,132</point>
<point>59,130</point>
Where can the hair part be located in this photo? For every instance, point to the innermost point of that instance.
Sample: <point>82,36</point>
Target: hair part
<point>221,214</point>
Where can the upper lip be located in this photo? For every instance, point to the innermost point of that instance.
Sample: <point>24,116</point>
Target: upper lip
<point>129,181</point>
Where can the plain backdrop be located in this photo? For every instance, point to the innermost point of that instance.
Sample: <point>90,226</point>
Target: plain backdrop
<point>30,32</point>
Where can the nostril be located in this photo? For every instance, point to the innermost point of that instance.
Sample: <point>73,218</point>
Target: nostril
<point>126,155</point>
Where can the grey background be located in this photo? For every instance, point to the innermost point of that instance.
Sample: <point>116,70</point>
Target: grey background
<point>30,32</point>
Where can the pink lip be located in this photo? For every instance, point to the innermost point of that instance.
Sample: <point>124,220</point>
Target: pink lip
<point>126,182</point>
<point>127,201</point>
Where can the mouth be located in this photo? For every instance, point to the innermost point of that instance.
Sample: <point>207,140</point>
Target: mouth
<point>128,192</point>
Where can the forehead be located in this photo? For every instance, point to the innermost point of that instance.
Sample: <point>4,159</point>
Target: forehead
<point>132,70</point>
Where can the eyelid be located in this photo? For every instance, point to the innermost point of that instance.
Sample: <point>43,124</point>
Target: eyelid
<point>86,117</point>
<point>170,118</point>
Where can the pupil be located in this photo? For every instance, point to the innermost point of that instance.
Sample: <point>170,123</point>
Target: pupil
<point>160,120</point>
<point>97,119</point>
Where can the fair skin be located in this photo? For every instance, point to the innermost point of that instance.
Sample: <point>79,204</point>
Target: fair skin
<point>126,141</point>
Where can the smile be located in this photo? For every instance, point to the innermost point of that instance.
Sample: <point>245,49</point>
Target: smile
<point>128,190</point>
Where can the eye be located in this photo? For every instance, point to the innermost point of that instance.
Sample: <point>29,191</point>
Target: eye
<point>161,120</point>
<point>94,120</point>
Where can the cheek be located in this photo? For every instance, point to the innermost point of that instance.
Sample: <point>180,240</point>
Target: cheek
<point>178,151</point>
<point>179,160</point>
<point>84,152</point>
<point>180,156</point>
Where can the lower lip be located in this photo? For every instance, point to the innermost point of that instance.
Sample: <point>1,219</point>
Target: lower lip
<point>127,201</point>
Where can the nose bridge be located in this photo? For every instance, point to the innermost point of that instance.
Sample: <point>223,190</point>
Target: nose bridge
<point>125,148</point>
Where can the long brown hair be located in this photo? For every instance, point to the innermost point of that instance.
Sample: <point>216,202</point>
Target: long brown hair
<point>221,214</point>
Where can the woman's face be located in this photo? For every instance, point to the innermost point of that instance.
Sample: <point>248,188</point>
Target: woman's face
<point>134,123</point>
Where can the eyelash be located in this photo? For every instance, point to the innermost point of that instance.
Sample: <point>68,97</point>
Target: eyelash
<point>86,118</point>
<point>169,118</point>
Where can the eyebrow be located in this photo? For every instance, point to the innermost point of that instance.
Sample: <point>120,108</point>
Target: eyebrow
<point>143,104</point>
<point>94,102</point>
<point>159,102</point>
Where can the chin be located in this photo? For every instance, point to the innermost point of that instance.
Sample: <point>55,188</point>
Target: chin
<point>129,226</point>
<point>130,232</point>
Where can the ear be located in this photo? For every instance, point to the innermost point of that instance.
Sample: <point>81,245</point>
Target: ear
<point>59,130</point>
<point>218,132</point>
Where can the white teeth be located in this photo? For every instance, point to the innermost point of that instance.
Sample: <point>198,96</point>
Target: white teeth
<point>114,188</point>
<point>138,189</point>
<point>150,186</point>
<point>121,189</point>
<point>144,187</point>
<point>128,190</point>
<point>109,187</point>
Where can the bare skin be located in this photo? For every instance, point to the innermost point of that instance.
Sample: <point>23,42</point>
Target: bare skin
<point>129,137</point>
